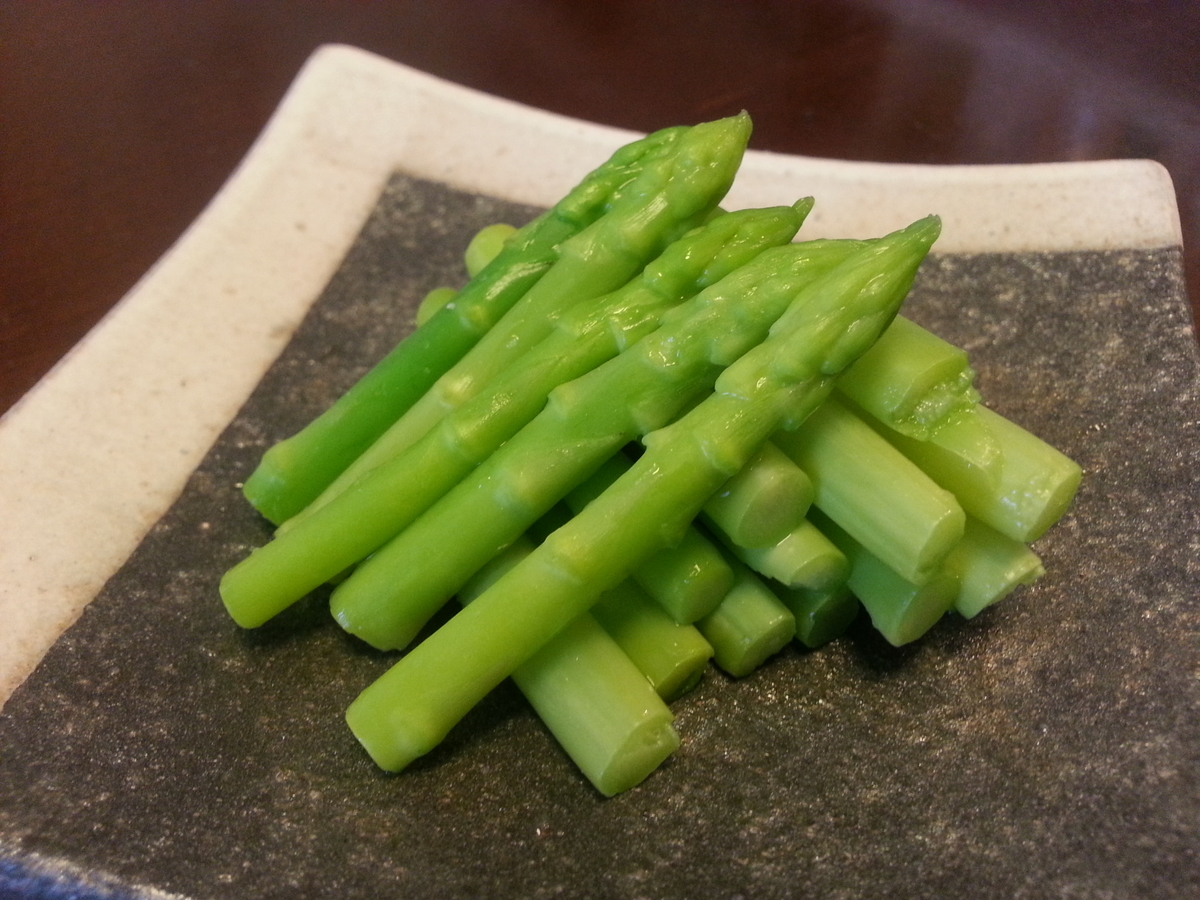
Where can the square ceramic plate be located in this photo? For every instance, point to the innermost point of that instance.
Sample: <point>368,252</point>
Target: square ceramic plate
<point>148,747</point>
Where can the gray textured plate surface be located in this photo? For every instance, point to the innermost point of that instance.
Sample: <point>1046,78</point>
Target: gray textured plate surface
<point>1046,749</point>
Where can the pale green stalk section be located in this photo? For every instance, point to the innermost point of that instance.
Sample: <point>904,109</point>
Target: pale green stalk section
<point>912,380</point>
<point>775,385</point>
<point>900,610</point>
<point>989,566</point>
<point>295,471</point>
<point>486,245</point>
<point>1002,474</point>
<point>590,695</point>
<point>391,595</point>
<point>877,495</point>
<point>687,580</point>
<point>670,196</point>
<point>749,627</point>
<point>329,538</point>
<point>763,503</point>
<point>673,657</point>
<point>804,558</point>
<point>821,616</point>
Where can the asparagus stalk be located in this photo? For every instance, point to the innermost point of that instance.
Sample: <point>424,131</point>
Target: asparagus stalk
<point>673,657</point>
<point>1002,474</point>
<point>877,495</point>
<point>329,537</point>
<point>804,558</point>
<point>760,505</point>
<point>409,709</point>
<point>989,566</point>
<point>390,596</point>
<point>687,580</point>
<point>294,471</point>
<point>590,695</point>
<point>750,625</point>
<point>670,196</point>
<point>911,380</point>
<point>900,610</point>
<point>821,615</point>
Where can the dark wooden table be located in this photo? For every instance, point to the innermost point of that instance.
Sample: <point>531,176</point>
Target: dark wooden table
<point>119,120</point>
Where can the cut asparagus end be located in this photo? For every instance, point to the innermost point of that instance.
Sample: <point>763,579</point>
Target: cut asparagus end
<point>765,501</point>
<point>432,302</point>
<point>900,610</point>
<point>880,497</point>
<point>673,657</point>
<point>1027,487</point>
<point>485,246</point>
<point>805,558</point>
<point>989,567</point>
<point>821,616</point>
<point>749,627</point>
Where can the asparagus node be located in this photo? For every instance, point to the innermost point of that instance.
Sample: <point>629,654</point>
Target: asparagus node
<point>821,615</point>
<point>989,567</point>
<point>911,380</point>
<point>673,657</point>
<point>749,626</point>
<point>295,471</point>
<point>875,493</point>
<point>590,695</point>
<point>764,502</point>
<point>804,558</point>
<point>412,706</point>
<point>688,579</point>
<point>900,610</point>
<point>1003,475</point>
<point>671,195</point>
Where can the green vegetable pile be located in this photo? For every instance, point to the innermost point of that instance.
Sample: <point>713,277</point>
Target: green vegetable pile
<point>647,434</point>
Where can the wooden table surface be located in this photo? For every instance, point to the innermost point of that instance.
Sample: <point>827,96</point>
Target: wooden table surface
<point>119,120</point>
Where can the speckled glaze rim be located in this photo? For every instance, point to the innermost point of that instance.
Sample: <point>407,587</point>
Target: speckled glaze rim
<point>102,446</point>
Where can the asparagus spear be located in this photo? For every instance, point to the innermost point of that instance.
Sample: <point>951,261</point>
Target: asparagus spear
<point>391,595</point>
<point>900,610</point>
<point>673,657</point>
<point>749,626</point>
<point>911,380</point>
<point>328,538</point>
<point>821,615</point>
<point>989,566</point>
<point>1002,474</point>
<point>670,196</point>
<point>687,580</point>
<point>409,710</point>
<point>804,558</point>
<point>294,471</point>
<point>591,696</point>
<point>877,495</point>
<point>763,503</point>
